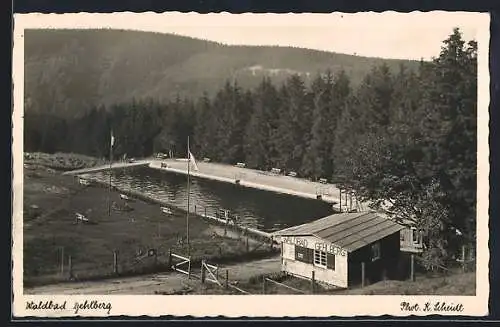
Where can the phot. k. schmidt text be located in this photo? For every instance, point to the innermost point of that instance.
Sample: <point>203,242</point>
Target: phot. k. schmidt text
<point>439,306</point>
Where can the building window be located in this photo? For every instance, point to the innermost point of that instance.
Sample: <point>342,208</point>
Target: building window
<point>376,251</point>
<point>415,236</point>
<point>402,236</point>
<point>320,258</point>
<point>330,261</point>
<point>303,254</point>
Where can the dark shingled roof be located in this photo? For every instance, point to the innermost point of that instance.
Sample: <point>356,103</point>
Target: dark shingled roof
<point>350,231</point>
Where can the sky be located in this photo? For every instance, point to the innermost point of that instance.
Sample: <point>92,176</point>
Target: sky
<point>387,35</point>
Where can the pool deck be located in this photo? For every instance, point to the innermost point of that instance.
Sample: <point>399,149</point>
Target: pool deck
<point>254,179</point>
<point>245,177</point>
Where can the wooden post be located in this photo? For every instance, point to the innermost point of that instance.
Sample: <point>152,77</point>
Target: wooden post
<point>464,268</point>
<point>70,267</point>
<point>62,260</point>
<point>313,283</point>
<point>189,268</point>
<point>170,258</point>
<point>350,201</point>
<point>363,274</point>
<point>203,271</point>
<point>471,255</point>
<point>225,227</point>
<point>263,284</point>
<point>115,262</point>
<point>412,267</point>
<point>227,279</point>
<point>340,199</point>
<point>195,209</point>
<point>247,245</point>
<point>205,211</point>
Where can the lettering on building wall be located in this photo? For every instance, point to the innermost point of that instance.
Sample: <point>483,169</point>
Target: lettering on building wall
<point>320,246</point>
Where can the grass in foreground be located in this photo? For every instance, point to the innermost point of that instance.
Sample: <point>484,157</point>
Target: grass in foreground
<point>457,283</point>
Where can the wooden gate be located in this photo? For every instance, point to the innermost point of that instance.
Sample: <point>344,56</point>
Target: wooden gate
<point>212,272</point>
<point>181,266</point>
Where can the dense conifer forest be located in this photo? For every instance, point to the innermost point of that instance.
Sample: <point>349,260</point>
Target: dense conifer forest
<point>405,137</point>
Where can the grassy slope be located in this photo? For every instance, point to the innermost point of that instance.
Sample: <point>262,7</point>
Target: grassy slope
<point>455,284</point>
<point>68,70</point>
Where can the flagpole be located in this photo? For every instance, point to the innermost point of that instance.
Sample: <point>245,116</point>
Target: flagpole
<point>188,195</point>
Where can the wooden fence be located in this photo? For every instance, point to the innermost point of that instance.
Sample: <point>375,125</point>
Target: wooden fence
<point>265,280</point>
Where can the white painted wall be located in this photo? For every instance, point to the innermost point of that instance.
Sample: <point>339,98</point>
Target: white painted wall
<point>336,277</point>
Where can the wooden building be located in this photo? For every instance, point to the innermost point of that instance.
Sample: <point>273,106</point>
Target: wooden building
<point>341,248</point>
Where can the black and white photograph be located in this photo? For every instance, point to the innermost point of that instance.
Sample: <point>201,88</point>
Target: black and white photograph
<point>342,157</point>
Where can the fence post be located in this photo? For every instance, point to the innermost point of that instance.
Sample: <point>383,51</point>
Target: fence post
<point>70,267</point>
<point>463,259</point>
<point>340,199</point>
<point>205,211</point>
<point>471,256</point>
<point>227,279</point>
<point>313,282</point>
<point>412,267</point>
<point>62,260</point>
<point>170,258</point>
<point>189,267</point>
<point>195,209</point>
<point>263,284</point>
<point>202,271</point>
<point>115,262</point>
<point>247,245</point>
<point>363,274</point>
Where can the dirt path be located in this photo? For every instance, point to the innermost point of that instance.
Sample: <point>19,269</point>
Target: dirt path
<point>148,284</point>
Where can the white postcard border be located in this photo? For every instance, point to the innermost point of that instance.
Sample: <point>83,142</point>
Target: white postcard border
<point>246,305</point>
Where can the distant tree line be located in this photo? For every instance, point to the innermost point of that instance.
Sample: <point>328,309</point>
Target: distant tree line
<point>405,141</point>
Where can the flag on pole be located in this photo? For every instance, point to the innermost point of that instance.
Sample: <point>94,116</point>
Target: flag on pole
<point>192,160</point>
<point>112,139</point>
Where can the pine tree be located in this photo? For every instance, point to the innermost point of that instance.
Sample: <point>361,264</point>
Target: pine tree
<point>260,131</point>
<point>202,140</point>
<point>451,103</point>
<point>318,145</point>
<point>294,125</point>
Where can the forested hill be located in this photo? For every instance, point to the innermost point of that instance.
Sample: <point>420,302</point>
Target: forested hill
<point>69,71</point>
